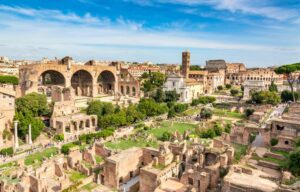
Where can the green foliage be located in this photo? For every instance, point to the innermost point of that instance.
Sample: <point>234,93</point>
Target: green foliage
<point>297,143</point>
<point>150,108</point>
<point>65,149</point>
<point>35,103</point>
<point>287,96</point>
<point>234,92</point>
<point>265,97</point>
<point>166,136</point>
<point>25,119</point>
<point>249,112</point>
<point>196,68</point>
<point>228,127</point>
<point>294,162</point>
<point>209,133</point>
<point>7,151</point>
<point>287,69</point>
<point>100,108</point>
<point>8,79</point>
<point>273,87</point>
<point>152,81</point>
<point>218,129</point>
<point>171,96</point>
<point>220,87</point>
<point>159,96</point>
<point>252,137</point>
<point>171,112</point>
<point>30,159</point>
<point>239,151</point>
<point>228,86</point>
<point>274,142</point>
<point>179,108</point>
<point>206,113</point>
<point>59,137</point>
<point>203,100</point>
<point>88,138</point>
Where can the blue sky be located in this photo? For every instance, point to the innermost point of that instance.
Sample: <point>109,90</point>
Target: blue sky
<point>255,32</point>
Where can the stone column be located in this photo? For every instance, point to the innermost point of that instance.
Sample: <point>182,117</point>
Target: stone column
<point>16,144</point>
<point>29,135</point>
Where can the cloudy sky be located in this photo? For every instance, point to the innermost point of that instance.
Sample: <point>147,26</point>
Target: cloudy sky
<point>255,32</point>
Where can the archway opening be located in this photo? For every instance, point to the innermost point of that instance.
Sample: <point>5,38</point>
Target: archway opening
<point>49,78</point>
<point>82,83</point>
<point>106,81</point>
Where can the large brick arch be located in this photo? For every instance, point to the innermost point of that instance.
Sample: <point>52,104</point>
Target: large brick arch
<point>82,83</point>
<point>52,77</point>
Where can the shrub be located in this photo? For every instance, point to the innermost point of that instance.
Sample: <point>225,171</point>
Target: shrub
<point>234,92</point>
<point>65,149</point>
<point>287,96</point>
<point>218,129</point>
<point>294,162</point>
<point>220,87</point>
<point>274,142</point>
<point>203,100</point>
<point>59,137</point>
<point>206,113</point>
<point>7,151</point>
<point>166,136</point>
<point>179,108</point>
<point>228,127</point>
<point>249,112</point>
<point>228,86</point>
<point>209,133</point>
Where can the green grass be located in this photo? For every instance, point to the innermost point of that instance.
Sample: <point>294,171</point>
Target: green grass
<point>281,163</point>
<point>8,165</point>
<point>89,186</point>
<point>29,160</point>
<point>126,144</point>
<point>280,152</point>
<point>99,159</point>
<point>159,166</point>
<point>239,151</point>
<point>167,126</point>
<point>76,176</point>
<point>227,113</point>
<point>192,111</point>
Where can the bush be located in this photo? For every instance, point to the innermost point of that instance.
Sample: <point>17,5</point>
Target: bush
<point>206,113</point>
<point>228,128</point>
<point>294,162</point>
<point>8,79</point>
<point>274,142</point>
<point>65,149</point>
<point>234,92</point>
<point>228,86</point>
<point>249,112</point>
<point>220,87</point>
<point>297,142</point>
<point>209,133</point>
<point>166,136</point>
<point>203,100</point>
<point>59,137</point>
<point>179,108</point>
<point>7,151</point>
<point>287,96</point>
<point>265,97</point>
<point>218,129</point>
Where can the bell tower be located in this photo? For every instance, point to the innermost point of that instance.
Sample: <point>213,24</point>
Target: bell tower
<point>186,62</point>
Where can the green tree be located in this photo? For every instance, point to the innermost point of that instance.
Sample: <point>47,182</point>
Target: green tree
<point>196,68</point>
<point>287,96</point>
<point>206,113</point>
<point>209,133</point>
<point>265,97</point>
<point>273,87</point>
<point>294,162</point>
<point>171,96</point>
<point>289,72</point>
<point>228,128</point>
<point>152,81</point>
<point>35,103</point>
<point>179,108</point>
<point>100,108</point>
<point>159,96</point>
<point>234,92</point>
<point>166,136</point>
<point>150,108</point>
<point>171,112</point>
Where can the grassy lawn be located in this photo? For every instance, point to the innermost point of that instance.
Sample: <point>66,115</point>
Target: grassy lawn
<point>281,163</point>
<point>126,144</point>
<point>192,111</point>
<point>167,126</point>
<point>239,151</point>
<point>89,187</point>
<point>29,160</point>
<point>8,165</point>
<point>76,176</point>
<point>227,113</point>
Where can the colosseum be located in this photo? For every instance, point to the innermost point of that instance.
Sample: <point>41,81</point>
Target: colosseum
<point>91,79</point>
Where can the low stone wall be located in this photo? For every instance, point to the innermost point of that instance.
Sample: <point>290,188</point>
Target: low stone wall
<point>274,155</point>
<point>268,164</point>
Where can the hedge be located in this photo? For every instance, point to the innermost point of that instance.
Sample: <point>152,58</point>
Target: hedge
<point>8,79</point>
<point>7,151</point>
